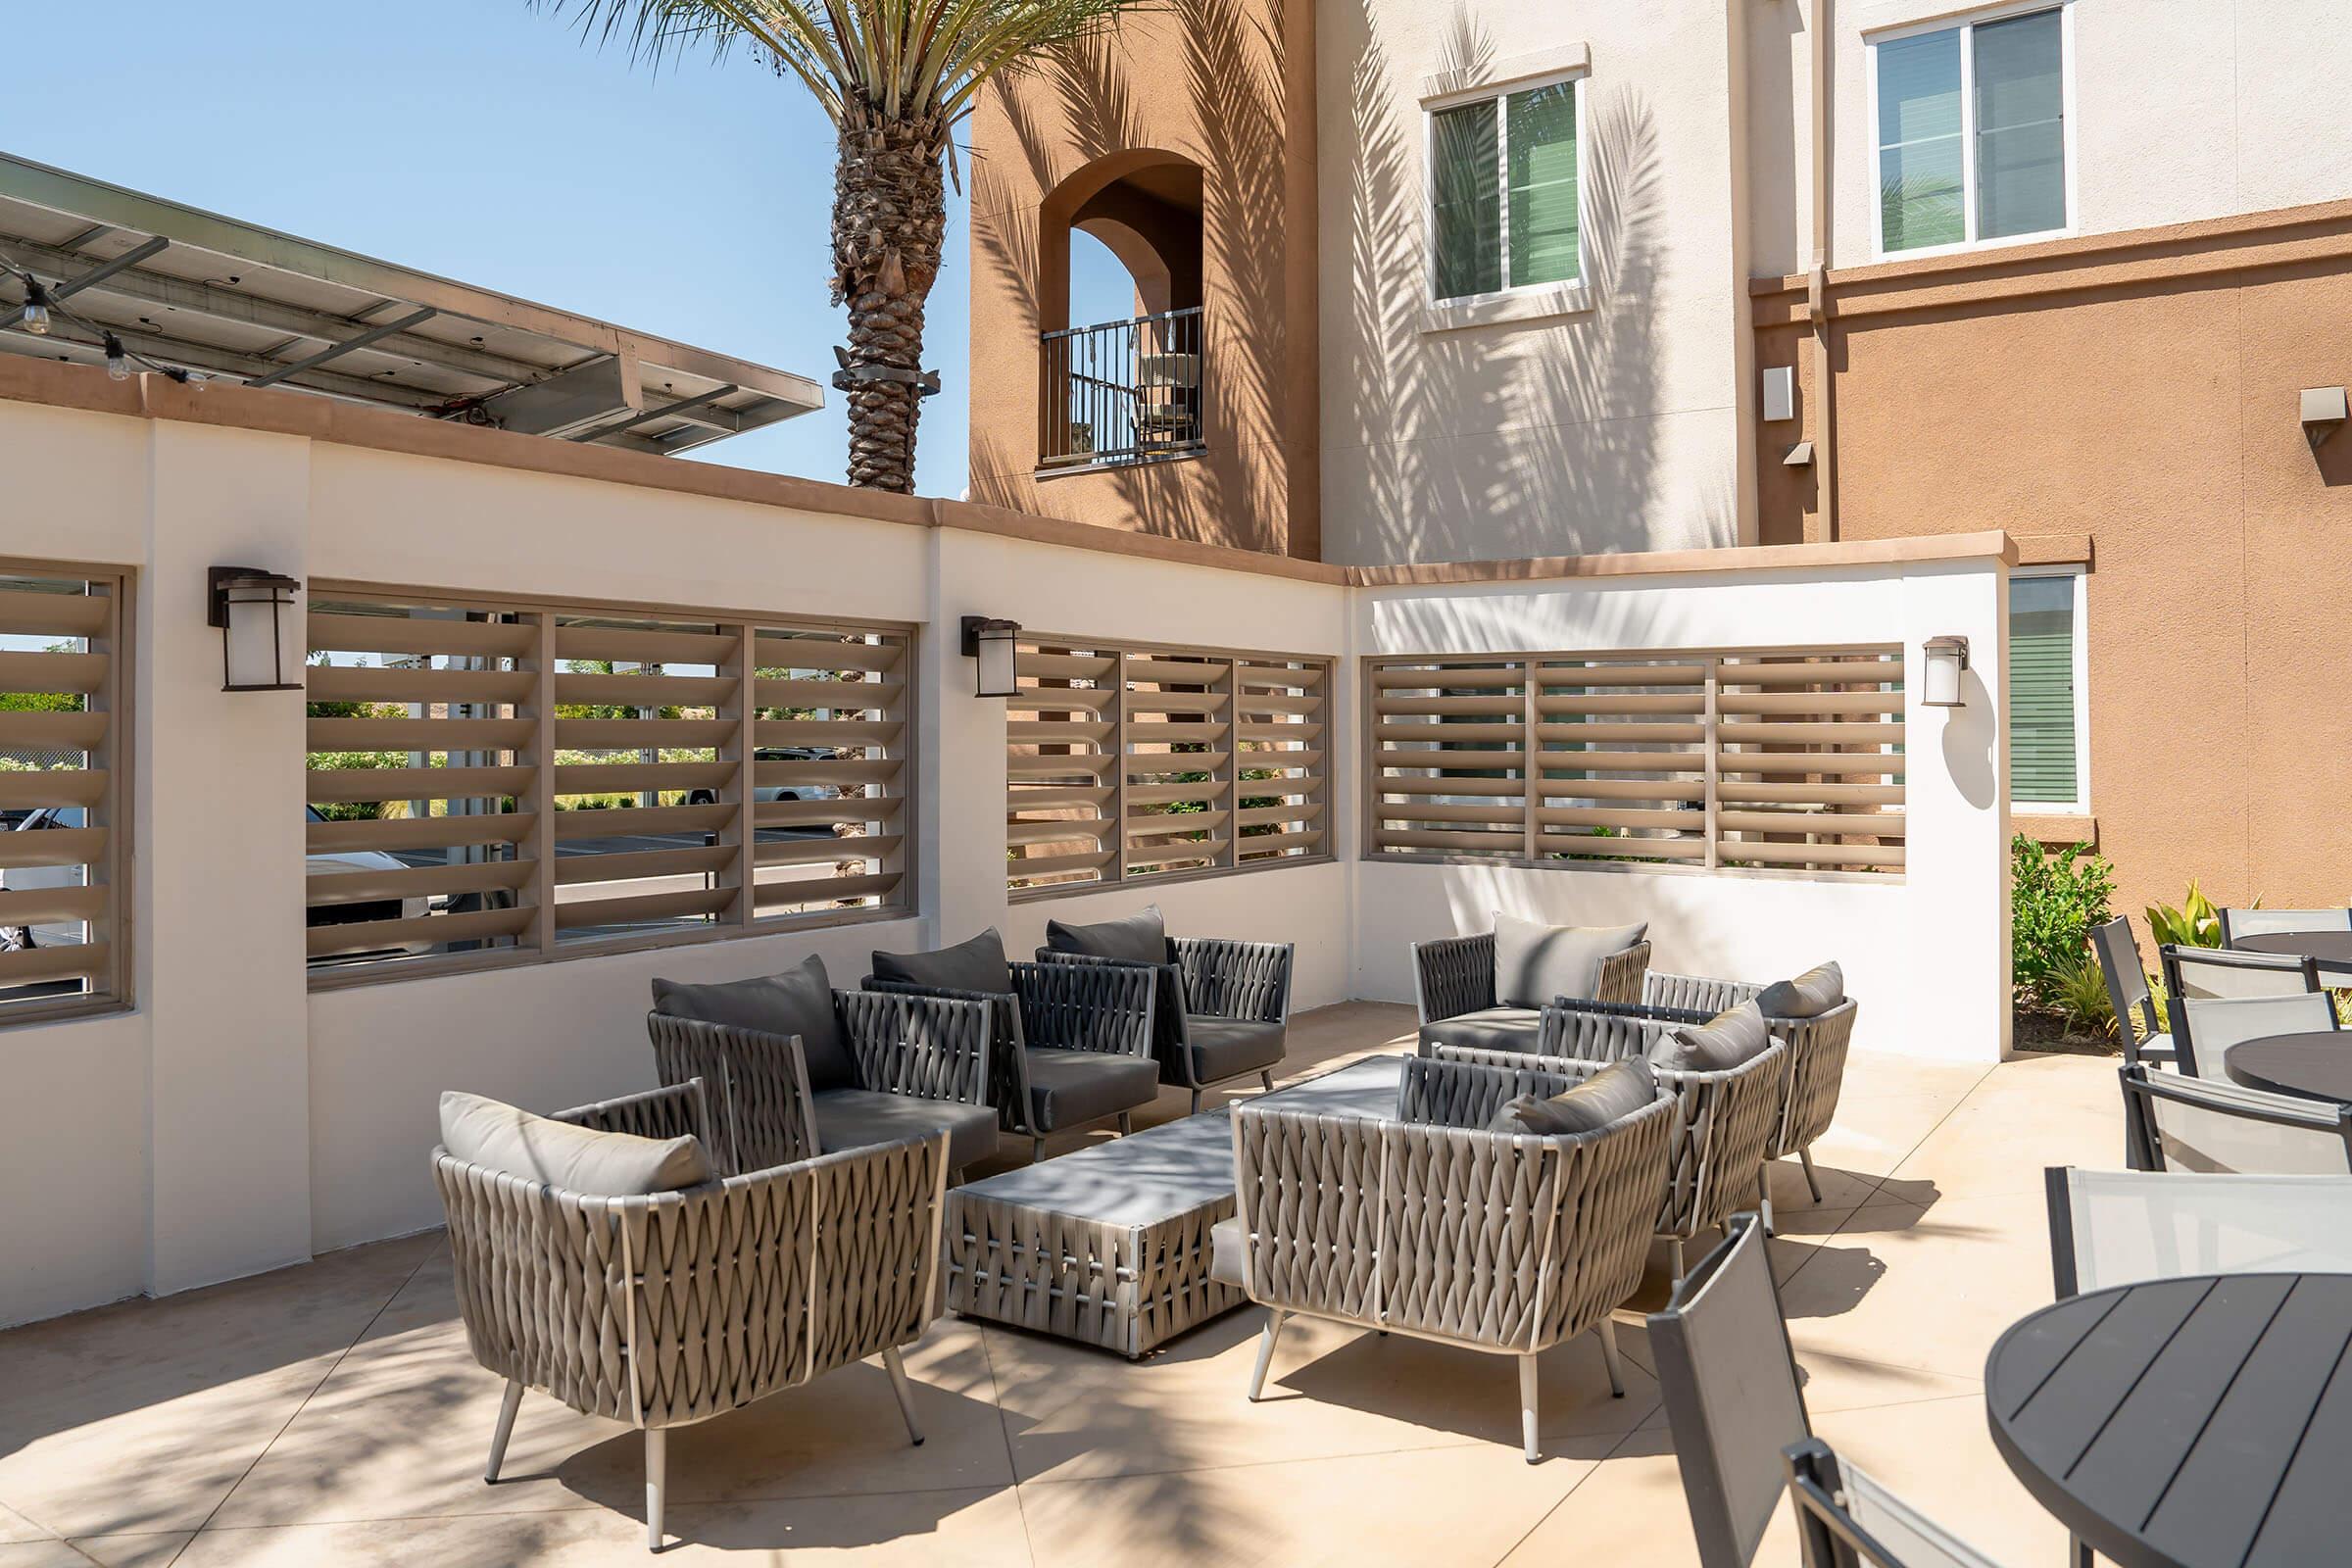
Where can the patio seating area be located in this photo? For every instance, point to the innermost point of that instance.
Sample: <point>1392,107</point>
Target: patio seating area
<point>333,1411</point>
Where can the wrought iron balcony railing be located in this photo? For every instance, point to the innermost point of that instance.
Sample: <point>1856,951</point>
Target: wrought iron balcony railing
<point>1123,391</point>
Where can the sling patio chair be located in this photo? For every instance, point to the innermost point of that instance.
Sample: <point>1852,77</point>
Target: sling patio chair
<point>1846,1518</point>
<point>1487,992</point>
<point>2137,1022</point>
<point>1436,1225</point>
<point>2205,1028</point>
<point>1068,1044</point>
<point>2209,1125</point>
<point>1223,1008</point>
<point>2260,922</point>
<point>1811,1014</point>
<point>796,1068</point>
<point>609,1258</point>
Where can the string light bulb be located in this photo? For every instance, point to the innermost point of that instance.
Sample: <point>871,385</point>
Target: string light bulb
<point>117,364</point>
<point>36,307</point>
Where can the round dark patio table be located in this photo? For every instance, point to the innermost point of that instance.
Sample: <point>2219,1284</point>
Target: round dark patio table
<point>2331,950</point>
<point>2315,1063</point>
<point>2185,1422</point>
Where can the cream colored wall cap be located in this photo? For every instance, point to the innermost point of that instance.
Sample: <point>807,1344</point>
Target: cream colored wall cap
<point>1487,77</point>
<point>1543,301</point>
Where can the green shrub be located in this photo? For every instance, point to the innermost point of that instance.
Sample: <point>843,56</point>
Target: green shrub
<point>2078,991</point>
<point>2196,923</point>
<point>2054,900</point>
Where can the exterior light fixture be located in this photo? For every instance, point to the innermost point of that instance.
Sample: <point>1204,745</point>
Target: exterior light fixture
<point>117,364</point>
<point>1948,657</point>
<point>2322,412</point>
<point>36,307</point>
<point>261,648</point>
<point>1799,456</point>
<point>991,643</point>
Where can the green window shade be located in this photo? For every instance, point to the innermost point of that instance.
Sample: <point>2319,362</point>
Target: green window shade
<point>1922,193</point>
<point>2042,691</point>
<point>2021,126</point>
<point>1464,149</point>
<point>1542,185</point>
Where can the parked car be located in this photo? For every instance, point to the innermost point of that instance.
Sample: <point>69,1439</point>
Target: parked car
<point>781,792</point>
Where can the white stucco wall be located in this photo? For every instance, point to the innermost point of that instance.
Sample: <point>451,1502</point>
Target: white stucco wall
<point>234,1119</point>
<point>1616,427</point>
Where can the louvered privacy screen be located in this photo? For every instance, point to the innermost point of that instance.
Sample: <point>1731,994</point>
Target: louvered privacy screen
<point>1127,764</point>
<point>59,782</point>
<point>436,826</point>
<point>1715,758</point>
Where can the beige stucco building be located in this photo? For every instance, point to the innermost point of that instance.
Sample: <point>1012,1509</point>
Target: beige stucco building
<point>2075,263</point>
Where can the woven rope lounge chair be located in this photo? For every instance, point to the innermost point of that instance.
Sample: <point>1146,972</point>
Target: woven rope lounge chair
<point>665,1310</point>
<point>1461,1004</point>
<point>1428,1224</point>
<point>1223,1008</point>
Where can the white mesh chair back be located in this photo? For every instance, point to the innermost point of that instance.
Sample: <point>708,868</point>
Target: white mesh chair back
<point>2213,1024</point>
<point>1845,1517</point>
<point>1729,1387</point>
<point>2122,1227</point>
<point>2238,923</point>
<point>2217,972</point>
<point>2212,1127</point>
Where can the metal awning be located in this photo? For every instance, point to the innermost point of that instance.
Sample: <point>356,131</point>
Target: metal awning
<point>233,300</point>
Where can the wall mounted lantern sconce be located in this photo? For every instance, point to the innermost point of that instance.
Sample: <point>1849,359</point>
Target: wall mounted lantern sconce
<point>2323,412</point>
<point>1947,658</point>
<point>991,643</point>
<point>261,648</point>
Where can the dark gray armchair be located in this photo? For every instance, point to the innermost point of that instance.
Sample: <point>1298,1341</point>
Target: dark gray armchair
<point>1068,1046</point>
<point>1487,992</point>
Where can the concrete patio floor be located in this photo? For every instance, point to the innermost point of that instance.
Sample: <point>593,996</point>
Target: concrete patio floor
<point>330,1414</point>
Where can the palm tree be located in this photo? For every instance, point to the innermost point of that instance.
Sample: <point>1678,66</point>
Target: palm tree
<point>895,76</point>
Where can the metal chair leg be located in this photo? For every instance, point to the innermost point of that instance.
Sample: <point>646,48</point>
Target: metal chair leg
<point>1126,1122</point>
<point>1037,1150</point>
<point>1196,1111</point>
<point>1526,1409</point>
<point>1275,1317</point>
<point>1266,1076</point>
<point>1674,1252</point>
<point>1812,1182</point>
<point>897,1367</point>
<point>657,1479</point>
<point>1608,1358</point>
<point>505,1430</point>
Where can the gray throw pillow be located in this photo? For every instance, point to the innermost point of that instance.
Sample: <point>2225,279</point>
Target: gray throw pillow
<point>1808,995</point>
<point>488,1132</point>
<point>1534,962</point>
<point>1609,1094</point>
<point>798,1001</point>
<point>1138,939</point>
<point>1725,1041</point>
<point>975,965</point>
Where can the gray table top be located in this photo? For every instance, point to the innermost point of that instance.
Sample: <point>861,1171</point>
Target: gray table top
<point>1157,1174</point>
<point>2332,949</point>
<point>2316,1063</point>
<point>2186,1423</point>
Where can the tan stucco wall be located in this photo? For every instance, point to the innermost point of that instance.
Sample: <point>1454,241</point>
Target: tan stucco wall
<point>2142,393</point>
<point>1617,428</point>
<point>1227,84</point>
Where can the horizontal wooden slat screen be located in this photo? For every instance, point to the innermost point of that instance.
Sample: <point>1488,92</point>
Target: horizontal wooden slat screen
<point>1788,758</point>
<point>62,780</point>
<point>640,775</point>
<point>1126,764</point>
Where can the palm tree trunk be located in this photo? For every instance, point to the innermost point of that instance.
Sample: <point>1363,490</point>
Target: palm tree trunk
<point>889,216</point>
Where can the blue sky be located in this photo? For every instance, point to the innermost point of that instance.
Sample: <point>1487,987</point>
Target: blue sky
<point>482,141</point>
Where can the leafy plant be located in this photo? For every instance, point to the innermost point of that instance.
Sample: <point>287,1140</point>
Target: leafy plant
<point>2054,900</point>
<point>2196,923</point>
<point>2077,989</point>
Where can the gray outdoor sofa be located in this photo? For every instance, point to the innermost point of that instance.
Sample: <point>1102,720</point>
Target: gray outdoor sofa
<point>1427,1223</point>
<point>661,1308</point>
<point>1222,1008</point>
<point>795,1068</point>
<point>1485,991</point>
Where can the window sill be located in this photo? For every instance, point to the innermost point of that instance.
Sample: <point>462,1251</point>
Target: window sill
<point>1540,302</point>
<point>2049,825</point>
<point>1064,471</point>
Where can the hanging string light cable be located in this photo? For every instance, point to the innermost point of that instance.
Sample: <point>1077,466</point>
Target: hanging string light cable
<point>41,311</point>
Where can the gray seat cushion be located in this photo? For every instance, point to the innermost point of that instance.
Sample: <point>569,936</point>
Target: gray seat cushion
<point>1227,1048</point>
<point>497,1136</point>
<point>1138,939</point>
<point>1070,1086</point>
<point>798,1001</point>
<point>1732,1036</point>
<point>1808,995</point>
<point>1607,1095</point>
<point>1534,962</point>
<point>975,965</point>
<point>1486,1029</point>
<point>1227,1241</point>
<point>860,1119</point>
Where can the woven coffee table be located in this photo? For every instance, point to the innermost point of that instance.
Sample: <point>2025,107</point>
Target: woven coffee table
<point>1109,1244</point>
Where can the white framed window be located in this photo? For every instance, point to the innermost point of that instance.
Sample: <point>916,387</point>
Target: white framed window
<point>1973,130</point>
<point>1505,189</point>
<point>2049,709</point>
